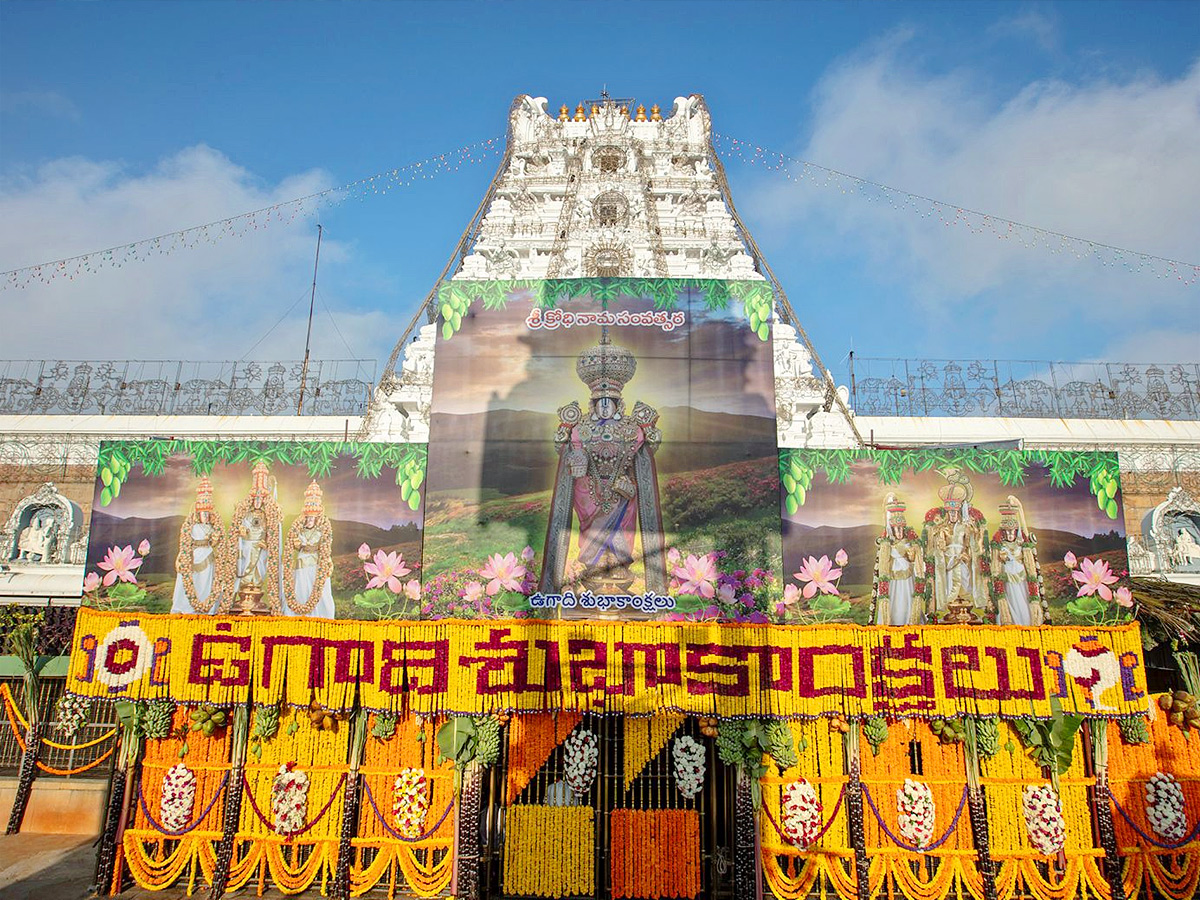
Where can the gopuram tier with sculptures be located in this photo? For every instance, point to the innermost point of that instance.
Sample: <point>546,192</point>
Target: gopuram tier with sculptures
<point>607,587</point>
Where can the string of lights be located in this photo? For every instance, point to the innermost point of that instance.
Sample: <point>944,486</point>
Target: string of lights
<point>950,214</point>
<point>283,213</point>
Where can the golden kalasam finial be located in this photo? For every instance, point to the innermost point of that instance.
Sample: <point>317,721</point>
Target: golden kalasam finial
<point>641,114</point>
<point>564,113</point>
<point>623,110</point>
<point>595,110</point>
<point>655,113</point>
<point>579,116</point>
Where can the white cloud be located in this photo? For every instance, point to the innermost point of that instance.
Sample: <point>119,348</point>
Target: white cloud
<point>1113,162</point>
<point>48,103</point>
<point>213,301</point>
<point>1031,24</point>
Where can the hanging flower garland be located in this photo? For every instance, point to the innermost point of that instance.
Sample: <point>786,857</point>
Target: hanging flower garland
<point>1164,807</point>
<point>581,753</point>
<point>289,797</point>
<point>178,798</point>
<point>915,812</point>
<point>1044,819</point>
<point>70,713</point>
<point>410,804</point>
<point>689,765</point>
<point>801,813</point>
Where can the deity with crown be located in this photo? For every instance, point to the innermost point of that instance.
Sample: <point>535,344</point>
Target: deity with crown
<point>1017,586</point>
<point>899,570</point>
<point>307,589</point>
<point>606,479</point>
<point>956,558</point>
<point>201,573</point>
<point>258,547</point>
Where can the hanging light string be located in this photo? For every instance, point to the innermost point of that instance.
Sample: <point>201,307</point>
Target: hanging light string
<point>1029,236</point>
<point>283,213</point>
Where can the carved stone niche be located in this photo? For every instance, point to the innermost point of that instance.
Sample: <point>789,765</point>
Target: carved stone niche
<point>1175,533</point>
<point>45,529</point>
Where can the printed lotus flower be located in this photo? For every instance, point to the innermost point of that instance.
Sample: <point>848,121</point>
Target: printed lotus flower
<point>673,557</point>
<point>727,594</point>
<point>1094,577</point>
<point>504,572</point>
<point>386,571</point>
<point>122,563</point>
<point>143,547</point>
<point>1070,561</point>
<point>91,581</point>
<point>364,552</point>
<point>472,591</point>
<point>527,554</point>
<point>412,590</point>
<point>841,558</point>
<point>696,575</point>
<point>818,575</point>
<point>791,595</point>
<point>1124,597</point>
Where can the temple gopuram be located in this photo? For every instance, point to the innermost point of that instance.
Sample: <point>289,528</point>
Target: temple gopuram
<point>606,587</point>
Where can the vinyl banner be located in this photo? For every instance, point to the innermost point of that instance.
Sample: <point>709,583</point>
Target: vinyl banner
<point>603,444</point>
<point>616,667</point>
<point>316,529</point>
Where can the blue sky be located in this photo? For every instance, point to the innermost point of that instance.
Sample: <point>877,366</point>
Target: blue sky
<point>120,121</point>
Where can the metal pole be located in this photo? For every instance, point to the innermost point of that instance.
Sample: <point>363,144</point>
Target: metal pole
<point>308,337</point>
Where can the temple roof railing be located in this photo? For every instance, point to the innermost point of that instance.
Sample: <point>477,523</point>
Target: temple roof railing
<point>1022,388</point>
<point>186,388</point>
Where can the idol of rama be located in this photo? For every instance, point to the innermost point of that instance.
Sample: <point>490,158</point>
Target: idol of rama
<point>955,537</point>
<point>1017,580</point>
<point>202,576</point>
<point>899,570</point>
<point>606,479</point>
<point>258,547</point>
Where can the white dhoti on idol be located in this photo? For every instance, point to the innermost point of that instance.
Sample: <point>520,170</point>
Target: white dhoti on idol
<point>307,585</point>
<point>1016,589</point>
<point>305,579</point>
<point>203,573</point>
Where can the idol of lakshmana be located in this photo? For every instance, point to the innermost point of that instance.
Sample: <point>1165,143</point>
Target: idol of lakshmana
<point>954,540</point>
<point>899,565</point>
<point>200,573</point>
<point>1015,569</point>
<point>607,480</point>
<point>307,590</point>
<point>260,538</point>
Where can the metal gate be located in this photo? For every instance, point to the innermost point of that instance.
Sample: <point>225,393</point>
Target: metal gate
<point>654,788</point>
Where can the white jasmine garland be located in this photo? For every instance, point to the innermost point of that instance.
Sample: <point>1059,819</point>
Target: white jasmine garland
<point>1164,807</point>
<point>689,765</point>
<point>410,804</point>
<point>178,798</point>
<point>289,797</point>
<point>581,753</point>
<point>915,813</point>
<point>1044,819</point>
<point>801,813</point>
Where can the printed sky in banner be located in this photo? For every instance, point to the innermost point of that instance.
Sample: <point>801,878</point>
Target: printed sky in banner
<point>692,397</point>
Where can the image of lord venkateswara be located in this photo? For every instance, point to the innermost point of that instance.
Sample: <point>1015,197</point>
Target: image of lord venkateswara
<point>607,481</point>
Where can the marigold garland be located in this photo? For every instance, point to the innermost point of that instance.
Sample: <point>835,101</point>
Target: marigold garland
<point>645,736</point>
<point>549,851</point>
<point>655,853</point>
<point>532,737</point>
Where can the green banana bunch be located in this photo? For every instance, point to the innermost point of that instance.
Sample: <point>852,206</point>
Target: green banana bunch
<point>875,730</point>
<point>729,742</point>
<point>113,473</point>
<point>1134,730</point>
<point>409,477</point>
<point>266,722</point>
<point>208,719</point>
<point>987,736</point>
<point>796,479</point>
<point>779,744</point>
<point>384,726</point>
<point>1105,485</point>
<point>158,718</point>
<point>453,305</point>
<point>487,740</point>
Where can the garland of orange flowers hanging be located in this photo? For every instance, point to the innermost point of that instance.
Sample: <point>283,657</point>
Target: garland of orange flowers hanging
<point>549,851</point>
<point>645,736</point>
<point>655,853</point>
<point>532,737</point>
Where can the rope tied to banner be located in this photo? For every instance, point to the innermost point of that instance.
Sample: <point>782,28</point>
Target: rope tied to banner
<point>909,847</point>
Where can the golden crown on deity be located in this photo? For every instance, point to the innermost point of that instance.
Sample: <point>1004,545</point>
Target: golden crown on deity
<point>262,480</point>
<point>896,509</point>
<point>204,495</point>
<point>954,495</point>
<point>312,500</point>
<point>605,368</point>
<point>1009,515</point>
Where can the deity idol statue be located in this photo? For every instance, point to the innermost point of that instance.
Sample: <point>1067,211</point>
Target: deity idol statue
<point>306,586</point>
<point>606,478</point>
<point>38,540</point>
<point>201,567</point>
<point>899,570</point>
<point>259,542</point>
<point>1017,582</point>
<point>954,538</point>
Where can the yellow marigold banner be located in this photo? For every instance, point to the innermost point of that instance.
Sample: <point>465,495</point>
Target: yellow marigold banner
<point>615,667</point>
